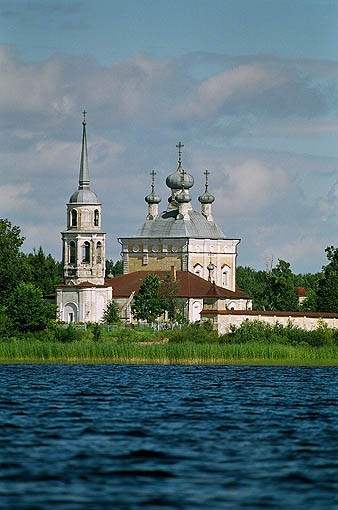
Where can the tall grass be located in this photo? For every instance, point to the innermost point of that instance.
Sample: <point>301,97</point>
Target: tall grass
<point>189,352</point>
<point>255,343</point>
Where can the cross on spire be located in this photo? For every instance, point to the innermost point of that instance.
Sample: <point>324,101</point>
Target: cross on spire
<point>84,117</point>
<point>179,146</point>
<point>153,173</point>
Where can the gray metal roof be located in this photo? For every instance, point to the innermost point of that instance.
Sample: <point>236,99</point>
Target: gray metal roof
<point>84,196</point>
<point>166,225</point>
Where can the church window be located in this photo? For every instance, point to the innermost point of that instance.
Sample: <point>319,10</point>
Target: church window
<point>74,218</point>
<point>224,278</point>
<point>99,252</point>
<point>86,252</point>
<point>198,270</point>
<point>96,218</point>
<point>72,252</point>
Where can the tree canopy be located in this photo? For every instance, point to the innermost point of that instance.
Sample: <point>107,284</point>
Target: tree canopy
<point>111,315</point>
<point>27,309</point>
<point>147,304</point>
<point>327,293</point>
<point>10,259</point>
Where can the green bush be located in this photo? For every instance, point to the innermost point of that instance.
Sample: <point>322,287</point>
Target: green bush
<point>193,333</point>
<point>66,334</point>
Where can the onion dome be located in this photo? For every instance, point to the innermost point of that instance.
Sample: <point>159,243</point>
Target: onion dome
<point>174,181</point>
<point>179,178</point>
<point>153,197</point>
<point>183,197</point>
<point>206,198</point>
<point>84,195</point>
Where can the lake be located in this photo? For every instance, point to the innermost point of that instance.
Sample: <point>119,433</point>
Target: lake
<point>168,437</point>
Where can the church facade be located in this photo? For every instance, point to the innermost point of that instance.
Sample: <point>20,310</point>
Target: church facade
<point>181,237</point>
<point>178,240</point>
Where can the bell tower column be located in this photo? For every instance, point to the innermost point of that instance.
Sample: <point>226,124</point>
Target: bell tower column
<point>84,241</point>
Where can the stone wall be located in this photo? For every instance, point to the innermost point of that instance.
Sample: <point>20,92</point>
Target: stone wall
<point>223,319</point>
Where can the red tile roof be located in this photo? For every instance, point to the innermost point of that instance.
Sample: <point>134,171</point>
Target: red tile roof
<point>190,285</point>
<point>301,292</point>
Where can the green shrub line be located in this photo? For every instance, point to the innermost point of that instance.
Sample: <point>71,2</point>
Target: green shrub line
<point>253,343</point>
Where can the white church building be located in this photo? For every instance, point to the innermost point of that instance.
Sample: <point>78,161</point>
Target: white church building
<point>178,240</point>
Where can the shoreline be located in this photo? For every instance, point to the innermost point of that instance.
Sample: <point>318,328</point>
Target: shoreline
<point>183,362</point>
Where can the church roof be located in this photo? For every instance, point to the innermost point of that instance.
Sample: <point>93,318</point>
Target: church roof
<point>190,285</point>
<point>166,225</point>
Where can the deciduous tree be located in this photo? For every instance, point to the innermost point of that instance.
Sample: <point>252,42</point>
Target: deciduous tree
<point>147,304</point>
<point>327,293</point>
<point>10,259</point>
<point>27,309</point>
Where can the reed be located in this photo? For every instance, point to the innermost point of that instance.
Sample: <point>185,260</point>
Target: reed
<point>188,353</point>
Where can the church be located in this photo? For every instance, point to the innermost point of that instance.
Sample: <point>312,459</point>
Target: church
<point>179,241</point>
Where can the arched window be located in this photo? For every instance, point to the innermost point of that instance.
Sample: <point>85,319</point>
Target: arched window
<point>225,276</point>
<point>198,270</point>
<point>72,252</point>
<point>96,218</point>
<point>99,252</point>
<point>74,218</point>
<point>86,252</point>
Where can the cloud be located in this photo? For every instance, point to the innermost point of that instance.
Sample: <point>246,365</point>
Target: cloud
<point>138,109</point>
<point>251,187</point>
<point>15,197</point>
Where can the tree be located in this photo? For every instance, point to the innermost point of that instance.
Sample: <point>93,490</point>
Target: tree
<point>44,272</point>
<point>255,284</point>
<point>168,291</point>
<point>148,303</point>
<point>10,259</point>
<point>113,268</point>
<point>27,309</point>
<point>111,315</point>
<point>281,288</point>
<point>327,293</point>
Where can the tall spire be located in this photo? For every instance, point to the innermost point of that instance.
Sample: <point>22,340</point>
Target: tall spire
<point>84,181</point>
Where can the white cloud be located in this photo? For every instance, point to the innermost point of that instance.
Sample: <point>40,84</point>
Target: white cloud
<point>251,187</point>
<point>14,197</point>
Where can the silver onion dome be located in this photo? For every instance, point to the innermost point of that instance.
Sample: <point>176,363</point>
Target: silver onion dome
<point>153,198</point>
<point>183,197</point>
<point>206,198</point>
<point>176,180</point>
<point>180,178</point>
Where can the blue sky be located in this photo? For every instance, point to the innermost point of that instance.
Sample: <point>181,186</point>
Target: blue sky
<point>249,86</point>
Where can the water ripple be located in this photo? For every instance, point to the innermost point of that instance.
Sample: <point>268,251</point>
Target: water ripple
<point>188,437</point>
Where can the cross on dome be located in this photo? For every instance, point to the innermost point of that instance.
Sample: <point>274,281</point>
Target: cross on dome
<point>179,146</point>
<point>84,117</point>
<point>153,173</point>
<point>206,173</point>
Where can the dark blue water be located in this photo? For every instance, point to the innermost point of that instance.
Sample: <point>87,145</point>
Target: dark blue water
<point>186,437</point>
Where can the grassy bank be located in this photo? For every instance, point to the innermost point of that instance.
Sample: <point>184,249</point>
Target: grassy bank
<point>255,343</point>
<point>172,353</point>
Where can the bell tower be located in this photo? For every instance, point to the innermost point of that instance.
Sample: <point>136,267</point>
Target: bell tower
<point>84,241</point>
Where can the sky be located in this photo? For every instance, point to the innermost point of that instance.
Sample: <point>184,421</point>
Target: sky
<point>250,87</point>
